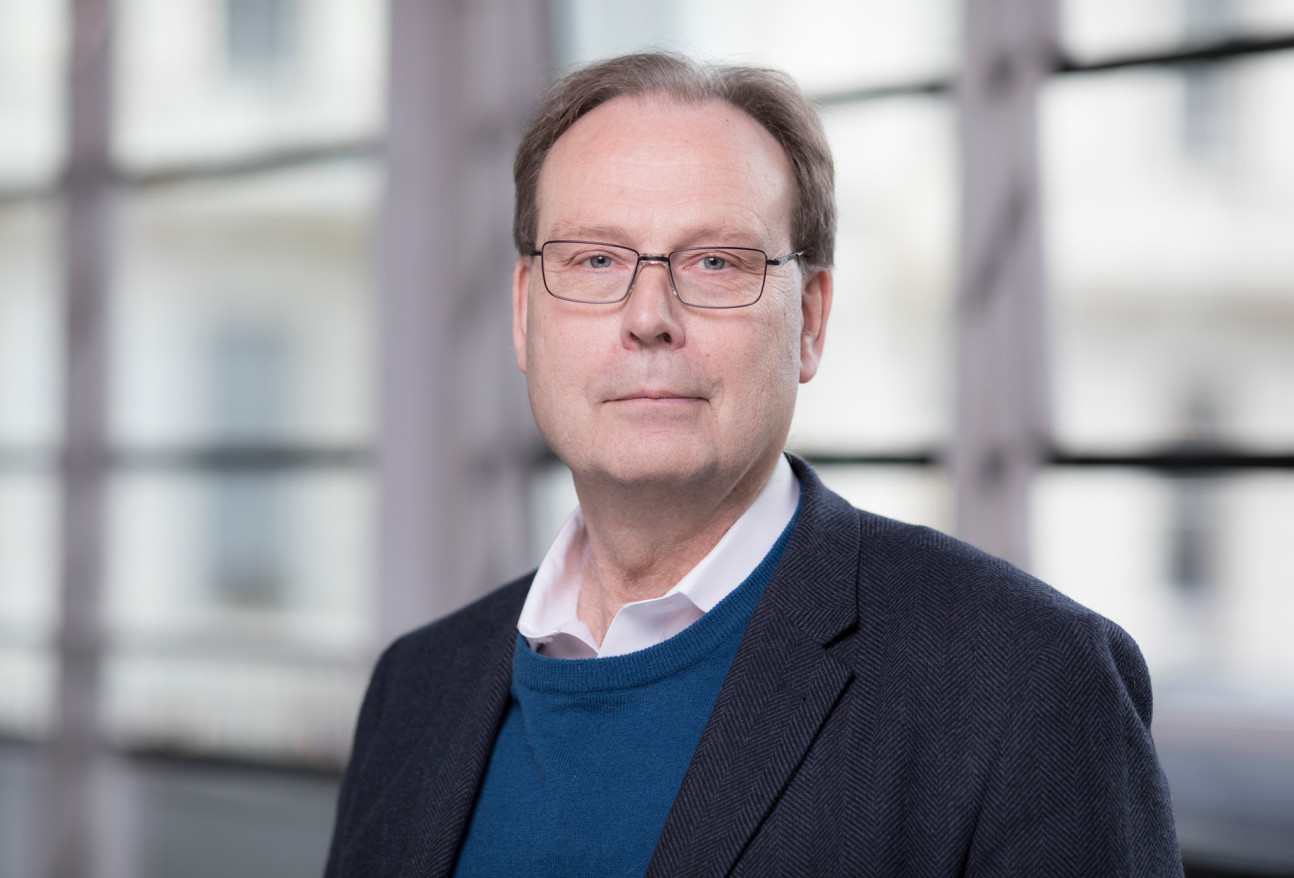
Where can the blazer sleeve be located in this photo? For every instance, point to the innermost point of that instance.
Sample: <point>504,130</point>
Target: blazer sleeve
<point>1077,789</point>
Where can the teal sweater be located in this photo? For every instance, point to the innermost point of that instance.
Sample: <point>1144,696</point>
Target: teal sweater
<point>592,751</point>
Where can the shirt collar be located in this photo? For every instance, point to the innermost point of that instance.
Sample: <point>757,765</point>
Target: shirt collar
<point>549,619</point>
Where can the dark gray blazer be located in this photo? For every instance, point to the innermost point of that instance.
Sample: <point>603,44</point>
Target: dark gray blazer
<point>900,704</point>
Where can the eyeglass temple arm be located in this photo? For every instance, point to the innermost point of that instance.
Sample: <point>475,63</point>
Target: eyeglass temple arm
<point>785,259</point>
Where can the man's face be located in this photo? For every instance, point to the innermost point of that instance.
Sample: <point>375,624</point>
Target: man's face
<point>650,391</point>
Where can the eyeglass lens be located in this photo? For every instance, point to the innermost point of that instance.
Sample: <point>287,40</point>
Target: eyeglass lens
<point>706,277</point>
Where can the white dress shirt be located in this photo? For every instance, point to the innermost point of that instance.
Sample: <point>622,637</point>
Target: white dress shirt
<point>550,621</point>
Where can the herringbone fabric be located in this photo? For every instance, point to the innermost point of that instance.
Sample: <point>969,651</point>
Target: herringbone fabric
<point>901,705</point>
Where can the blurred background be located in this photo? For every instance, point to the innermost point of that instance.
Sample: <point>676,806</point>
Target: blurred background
<point>259,411</point>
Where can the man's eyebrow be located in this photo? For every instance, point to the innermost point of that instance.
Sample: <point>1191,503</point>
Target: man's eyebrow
<point>704,236</point>
<point>605,234</point>
<point>721,236</point>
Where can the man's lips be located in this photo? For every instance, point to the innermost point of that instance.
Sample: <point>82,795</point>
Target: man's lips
<point>655,396</point>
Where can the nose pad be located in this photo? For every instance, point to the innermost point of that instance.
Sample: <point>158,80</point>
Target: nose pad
<point>663,262</point>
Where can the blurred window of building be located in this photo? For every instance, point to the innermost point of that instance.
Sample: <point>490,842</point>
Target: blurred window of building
<point>31,342</point>
<point>242,404</point>
<point>248,539</point>
<point>28,600</point>
<point>239,321</point>
<point>827,45</point>
<point>889,350</point>
<point>237,582</point>
<point>248,367</point>
<point>249,391</point>
<point>1195,567</point>
<point>172,546</point>
<point>920,494</point>
<point>261,39</point>
<point>29,507</point>
<point>1206,100</point>
<point>233,599</point>
<point>224,79</point>
<point>249,707</point>
<point>1099,29</point>
<point>1170,208</point>
<point>31,351</point>
<point>1171,269</point>
<point>33,45</point>
<point>245,310</point>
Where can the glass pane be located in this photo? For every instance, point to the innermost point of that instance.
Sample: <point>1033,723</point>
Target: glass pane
<point>206,80</point>
<point>552,498</point>
<point>1172,211</point>
<point>33,35</point>
<point>917,495</point>
<point>233,705</point>
<point>245,311</point>
<point>23,775</point>
<point>1103,28</point>
<point>277,559</point>
<point>1196,569</point>
<point>30,327</point>
<point>215,820</point>
<point>883,383</point>
<point>29,530</point>
<point>27,696</point>
<point>827,45</point>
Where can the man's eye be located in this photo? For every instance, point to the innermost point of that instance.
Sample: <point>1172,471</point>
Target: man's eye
<point>599,260</point>
<point>713,263</point>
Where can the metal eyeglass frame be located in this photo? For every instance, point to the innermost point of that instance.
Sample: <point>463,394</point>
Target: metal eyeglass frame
<point>669,269</point>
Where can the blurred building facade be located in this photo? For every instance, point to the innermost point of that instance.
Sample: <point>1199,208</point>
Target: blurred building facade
<point>259,411</point>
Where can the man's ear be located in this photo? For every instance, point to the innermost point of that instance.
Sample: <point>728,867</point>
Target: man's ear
<point>520,306</point>
<point>815,306</point>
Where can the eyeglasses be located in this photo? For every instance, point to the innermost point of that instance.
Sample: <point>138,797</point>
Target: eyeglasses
<point>703,277</point>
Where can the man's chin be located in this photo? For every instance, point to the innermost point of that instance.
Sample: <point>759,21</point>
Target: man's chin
<point>648,469</point>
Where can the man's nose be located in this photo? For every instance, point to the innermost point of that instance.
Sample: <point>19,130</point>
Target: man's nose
<point>652,312</point>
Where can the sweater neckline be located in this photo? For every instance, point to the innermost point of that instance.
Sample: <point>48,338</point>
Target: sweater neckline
<point>727,619</point>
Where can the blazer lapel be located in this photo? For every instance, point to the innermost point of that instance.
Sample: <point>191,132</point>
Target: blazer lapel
<point>448,761</point>
<point>781,687</point>
<point>449,792</point>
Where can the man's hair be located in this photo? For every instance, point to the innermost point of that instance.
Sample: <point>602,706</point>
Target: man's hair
<point>770,97</point>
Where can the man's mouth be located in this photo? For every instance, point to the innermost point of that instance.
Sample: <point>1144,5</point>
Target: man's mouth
<point>655,395</point>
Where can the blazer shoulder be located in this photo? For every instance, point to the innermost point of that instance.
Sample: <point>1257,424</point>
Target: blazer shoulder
<point>955,576</point>
<point>960,599</point>
<point>438,664</point>
<point>916,582</point>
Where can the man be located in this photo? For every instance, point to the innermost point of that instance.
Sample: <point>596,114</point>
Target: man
<point>721,667</point>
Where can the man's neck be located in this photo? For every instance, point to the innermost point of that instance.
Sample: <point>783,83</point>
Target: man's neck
<point>641,543</point>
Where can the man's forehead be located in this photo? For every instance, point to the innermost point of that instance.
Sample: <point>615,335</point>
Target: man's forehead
<point>709,161</point>
<point>622,122</point>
